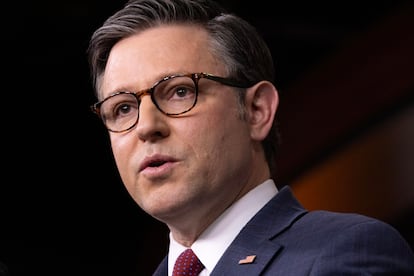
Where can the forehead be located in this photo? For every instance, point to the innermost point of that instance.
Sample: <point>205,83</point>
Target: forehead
<point>139,61</point>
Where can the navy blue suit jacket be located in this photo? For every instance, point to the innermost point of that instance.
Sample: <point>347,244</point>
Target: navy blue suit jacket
<point>288,240</point>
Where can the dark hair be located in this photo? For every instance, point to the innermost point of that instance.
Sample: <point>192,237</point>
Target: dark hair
<point>245,55</point>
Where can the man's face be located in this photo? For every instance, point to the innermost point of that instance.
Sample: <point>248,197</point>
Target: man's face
<point>195,164</point>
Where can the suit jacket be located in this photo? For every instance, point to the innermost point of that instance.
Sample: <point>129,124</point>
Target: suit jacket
<point>288,240</point>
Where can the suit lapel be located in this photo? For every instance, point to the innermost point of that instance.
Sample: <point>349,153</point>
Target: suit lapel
<point>162,269</point>
<point>258,239</point>
<point>257,243</point>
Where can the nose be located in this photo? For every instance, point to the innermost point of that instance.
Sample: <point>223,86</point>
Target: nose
<point>152,124</point>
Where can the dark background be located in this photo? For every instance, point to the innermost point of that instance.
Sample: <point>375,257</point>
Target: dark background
<point>64,209</point>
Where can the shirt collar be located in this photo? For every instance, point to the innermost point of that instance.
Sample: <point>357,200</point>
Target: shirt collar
<point>219,235</point>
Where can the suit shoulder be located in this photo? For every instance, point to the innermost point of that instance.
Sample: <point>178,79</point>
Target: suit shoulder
<point>350,228</point>
<point>340,221</point>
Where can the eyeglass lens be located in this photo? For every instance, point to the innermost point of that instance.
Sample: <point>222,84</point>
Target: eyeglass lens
<point>172,96</point>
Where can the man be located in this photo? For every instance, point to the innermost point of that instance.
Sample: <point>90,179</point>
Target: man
<point>186,92</point>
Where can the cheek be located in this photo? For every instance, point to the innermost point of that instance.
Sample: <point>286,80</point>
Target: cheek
<point>122,149</point>
<point>217,139</point>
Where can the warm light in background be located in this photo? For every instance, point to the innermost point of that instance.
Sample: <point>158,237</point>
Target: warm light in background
<point>373,175</point>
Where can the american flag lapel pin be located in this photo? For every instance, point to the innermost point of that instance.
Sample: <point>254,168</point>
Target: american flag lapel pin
<point>248,260</point>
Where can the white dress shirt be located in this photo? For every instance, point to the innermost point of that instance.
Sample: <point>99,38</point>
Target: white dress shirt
<point>212,243</point>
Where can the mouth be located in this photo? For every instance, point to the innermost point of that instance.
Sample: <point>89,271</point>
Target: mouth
<point>155,162</point>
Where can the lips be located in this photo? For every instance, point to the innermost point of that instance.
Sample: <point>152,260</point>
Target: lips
<point>155,161</point>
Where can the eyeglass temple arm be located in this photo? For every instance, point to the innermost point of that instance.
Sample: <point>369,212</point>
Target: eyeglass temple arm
<point>226,81</point>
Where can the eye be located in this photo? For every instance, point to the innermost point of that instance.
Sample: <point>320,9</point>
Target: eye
<point>176,89</point>
<point>119,107</point>
<point>175,95</point>
<point>182,92</point>
<point>122,109</point>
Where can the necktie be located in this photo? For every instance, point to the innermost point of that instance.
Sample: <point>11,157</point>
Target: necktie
<point>187,264</point>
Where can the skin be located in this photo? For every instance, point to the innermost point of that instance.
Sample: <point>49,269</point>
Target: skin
<point>213,157</point>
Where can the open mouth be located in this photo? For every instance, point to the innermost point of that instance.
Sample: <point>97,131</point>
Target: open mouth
<point>157,163</point>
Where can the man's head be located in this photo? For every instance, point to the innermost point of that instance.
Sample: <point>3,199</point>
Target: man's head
<point>201,160</point>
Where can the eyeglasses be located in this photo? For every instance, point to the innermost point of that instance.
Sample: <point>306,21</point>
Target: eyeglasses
<point>172,95</point>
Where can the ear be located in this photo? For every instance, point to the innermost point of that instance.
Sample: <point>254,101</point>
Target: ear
<point>262,101</point>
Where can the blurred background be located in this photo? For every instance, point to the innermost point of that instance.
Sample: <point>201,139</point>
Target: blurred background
<point>346,80</point>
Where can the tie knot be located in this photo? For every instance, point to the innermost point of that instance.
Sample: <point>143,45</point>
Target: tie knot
<point>187,264</point>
